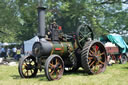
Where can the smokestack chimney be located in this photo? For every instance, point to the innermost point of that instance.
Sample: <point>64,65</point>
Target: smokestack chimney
<point>41,22</point>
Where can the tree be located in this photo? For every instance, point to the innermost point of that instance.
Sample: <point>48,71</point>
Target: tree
<point>18,18</point>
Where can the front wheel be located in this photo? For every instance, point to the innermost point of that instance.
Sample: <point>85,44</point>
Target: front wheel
<point>27,67</point>
<point>54,67</point>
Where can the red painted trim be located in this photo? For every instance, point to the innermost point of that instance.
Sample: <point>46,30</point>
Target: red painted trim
<point>58,49</point>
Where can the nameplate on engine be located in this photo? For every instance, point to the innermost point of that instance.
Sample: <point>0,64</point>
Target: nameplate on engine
<point>57,49</point>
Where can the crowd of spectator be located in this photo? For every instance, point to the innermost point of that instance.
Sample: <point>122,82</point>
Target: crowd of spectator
<point>10,52</point>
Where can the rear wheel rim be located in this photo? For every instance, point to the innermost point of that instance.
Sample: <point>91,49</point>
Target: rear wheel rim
<point>97,58</point>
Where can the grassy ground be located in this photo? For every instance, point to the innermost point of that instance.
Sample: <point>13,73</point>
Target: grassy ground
<point>114,75</point>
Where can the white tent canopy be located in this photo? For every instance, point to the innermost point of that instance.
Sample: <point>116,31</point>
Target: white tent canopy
<point>5,44</point>
<point>29,43</point>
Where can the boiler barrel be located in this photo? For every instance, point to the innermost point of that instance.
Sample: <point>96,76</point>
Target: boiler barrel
<point>42,48</point>
<point>45,48</point>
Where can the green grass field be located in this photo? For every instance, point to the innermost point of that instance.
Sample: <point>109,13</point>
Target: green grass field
<point>114,75</point>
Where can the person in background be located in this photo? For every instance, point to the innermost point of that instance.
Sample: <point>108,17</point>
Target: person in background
<point>3,52</point>
<point>8,52</point>
<point>14,51</point>
<point>18,54</point>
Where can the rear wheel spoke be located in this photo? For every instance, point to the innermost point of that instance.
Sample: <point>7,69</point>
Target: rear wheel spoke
<point>91,52</point>
<point>101,62</point>
<point>90,58</point>
<point>101,54</point>
<point>97,47</point>
<point>92,63</point>
<point>89,61</point>
<point>94,48</point>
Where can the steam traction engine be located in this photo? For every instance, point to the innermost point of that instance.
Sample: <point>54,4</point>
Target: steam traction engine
<point>61,51</point>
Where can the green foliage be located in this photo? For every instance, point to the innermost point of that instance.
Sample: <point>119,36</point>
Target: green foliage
<point>18,18</point>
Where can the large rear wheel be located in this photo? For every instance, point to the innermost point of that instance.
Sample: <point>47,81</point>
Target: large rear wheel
<point>94,57</point>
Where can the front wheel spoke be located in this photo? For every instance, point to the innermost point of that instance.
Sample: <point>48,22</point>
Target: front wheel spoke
<point>33,63</point>
<point>52,72</point>
<point>31,72</point>
<point>26,73</point>
<point>24,64</point>
<point>57,73</point>
<point>60,67</point>
<point>23,68</point>
<point>56,61</point>
<point>51,65</point>
<point>29,61</point>
<point>52,62</point>
<point>25,61</point>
